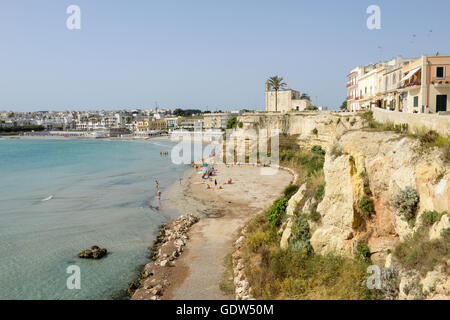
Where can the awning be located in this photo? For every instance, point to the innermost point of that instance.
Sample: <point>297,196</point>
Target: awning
<point>411,73</point>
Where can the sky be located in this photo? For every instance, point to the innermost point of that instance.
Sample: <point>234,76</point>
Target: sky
<point>200,54</point>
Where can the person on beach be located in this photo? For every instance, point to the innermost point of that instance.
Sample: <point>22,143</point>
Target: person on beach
<point>215,182</point>
<point>180,180</point>
<point>157,184</point>
<point>159,195</point>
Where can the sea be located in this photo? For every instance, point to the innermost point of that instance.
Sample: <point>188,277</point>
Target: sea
<point>60,196</point>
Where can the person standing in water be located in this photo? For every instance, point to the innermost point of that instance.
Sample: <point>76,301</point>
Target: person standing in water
<point>157,184</point>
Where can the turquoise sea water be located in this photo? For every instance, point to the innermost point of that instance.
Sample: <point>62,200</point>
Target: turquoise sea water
<point>58,197</point>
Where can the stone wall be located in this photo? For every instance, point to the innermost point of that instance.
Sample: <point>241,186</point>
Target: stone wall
<point>439,123</point>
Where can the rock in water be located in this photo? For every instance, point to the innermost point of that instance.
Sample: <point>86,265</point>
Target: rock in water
<point>94,252</point>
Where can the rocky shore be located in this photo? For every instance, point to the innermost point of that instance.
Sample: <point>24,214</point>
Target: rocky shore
<point>241,285</point>
<point>167,248</point>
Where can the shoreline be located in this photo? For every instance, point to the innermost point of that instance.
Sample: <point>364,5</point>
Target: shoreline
<point>45,137</point>
<point>195,273</point>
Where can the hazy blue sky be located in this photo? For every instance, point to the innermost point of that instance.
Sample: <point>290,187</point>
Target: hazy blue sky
<point>214,54</point>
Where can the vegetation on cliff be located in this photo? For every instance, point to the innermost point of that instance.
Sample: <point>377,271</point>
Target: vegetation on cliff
<point>427,138</point>
<point>297,272</point>
<point>419,253</point>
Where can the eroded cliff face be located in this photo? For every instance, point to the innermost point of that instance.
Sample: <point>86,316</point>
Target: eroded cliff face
<point>312,128</point>
<point>384,163</point>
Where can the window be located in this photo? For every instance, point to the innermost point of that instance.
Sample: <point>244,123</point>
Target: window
<point>416,101</point>
<point>439,72</point>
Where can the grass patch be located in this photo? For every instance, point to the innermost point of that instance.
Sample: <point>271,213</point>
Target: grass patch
<point>294,274</point>
<point>430,217</point>
<point>302,161</point>
<point>320,192</point>
<point>226,283</point>
<point>420,254</point>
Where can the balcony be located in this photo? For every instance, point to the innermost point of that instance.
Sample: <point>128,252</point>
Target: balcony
<point>440,83</point>
<point>409,86</point>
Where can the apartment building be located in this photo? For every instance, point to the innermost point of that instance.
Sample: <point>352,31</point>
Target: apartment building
<point>425,85</point>
<point>171,123</point>
<point>401,84</point>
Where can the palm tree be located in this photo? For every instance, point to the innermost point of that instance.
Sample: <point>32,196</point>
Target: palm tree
<point>276,83</point>
<point>305,96</point>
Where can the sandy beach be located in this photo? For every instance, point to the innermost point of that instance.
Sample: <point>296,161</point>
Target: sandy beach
<point>198,272</point>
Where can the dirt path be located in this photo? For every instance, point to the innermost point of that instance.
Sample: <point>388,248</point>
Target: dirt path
<point>199,270</point>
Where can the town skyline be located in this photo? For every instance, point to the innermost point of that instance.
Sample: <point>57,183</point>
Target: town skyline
<point>201,55</point>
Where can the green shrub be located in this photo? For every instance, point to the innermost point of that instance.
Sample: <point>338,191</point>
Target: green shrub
<point>367,191</point>
<point>320,192</point>
<point>430,217</point>
<point>352,160</point>
<point>362,252</point>
<point>300,236</point>
<point>231,123</point>
<point>353,122</point>
<point>365,204</point>
<point>318,150</point>
<point>428,137</point>
<point>401,128</point>
<point>315,131</point>
<point>277,212</point>
<point>314,215</point>
<point>290,190</point>
<point>368,115</point>
<point>445,233</point>
<point>406,203</point>
<point>335,150</point>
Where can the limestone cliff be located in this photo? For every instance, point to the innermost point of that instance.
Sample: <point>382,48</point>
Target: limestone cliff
<point>386,163</point>
<point>312,128</point>
<point>382,164</point>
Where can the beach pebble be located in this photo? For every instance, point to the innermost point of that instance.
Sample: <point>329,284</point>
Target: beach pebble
<point>163,263</point>
<point>157,290</point>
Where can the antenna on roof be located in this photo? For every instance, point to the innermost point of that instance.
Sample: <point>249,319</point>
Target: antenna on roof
<point>381,53</point>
